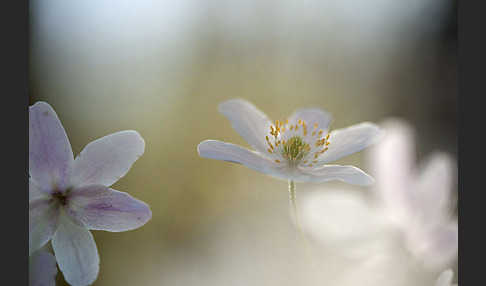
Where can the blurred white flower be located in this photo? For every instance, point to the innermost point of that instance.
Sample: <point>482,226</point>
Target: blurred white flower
<point>298,149</point>
<point>445,278</point>
<point>414,203</point>
<point>69,197</point>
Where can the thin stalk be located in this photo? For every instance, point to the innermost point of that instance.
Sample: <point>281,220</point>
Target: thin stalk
<point>293,202</point>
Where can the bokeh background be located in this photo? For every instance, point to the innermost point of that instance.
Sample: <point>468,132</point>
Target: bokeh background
<point>162,68</point>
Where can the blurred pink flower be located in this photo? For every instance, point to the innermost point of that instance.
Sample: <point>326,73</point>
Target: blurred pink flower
<point>415,201</point>
<point>68,197</point>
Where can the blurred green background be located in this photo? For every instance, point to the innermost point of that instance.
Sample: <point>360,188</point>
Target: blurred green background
<point>162,68</point>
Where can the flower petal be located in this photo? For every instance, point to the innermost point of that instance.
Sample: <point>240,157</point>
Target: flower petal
<point>76,253</point>
<point>434,186</point>
<point>251,123</point>
<point>107,159</point>
<point>445,278</point>
<point>435,245</point>
<point>50,153</point>
<point>219,150</point>
<point>43,221</point>
<point>346,141</point>
<point>42,269</point>
<point>392,163</point>
<point>36,192</point>
<point>101,208</point>
<point>340,217</point>
<point>347,174</point>
<point>312,116</point>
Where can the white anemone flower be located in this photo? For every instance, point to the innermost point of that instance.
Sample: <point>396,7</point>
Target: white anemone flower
<point>298,149</point>
<point>69,197</point>
<point>445,278</point>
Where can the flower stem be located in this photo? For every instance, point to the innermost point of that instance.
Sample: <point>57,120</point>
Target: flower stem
<point>293,202</point>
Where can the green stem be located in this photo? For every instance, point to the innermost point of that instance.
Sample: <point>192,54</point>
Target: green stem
<point>293,202</point>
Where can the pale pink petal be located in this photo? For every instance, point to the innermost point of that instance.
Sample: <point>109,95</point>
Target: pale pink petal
<point>392,163</point>
<point>434,187</point>
<point>435,245</point>
<point>76,253</point>
<point>107,159</point>
<point>347,174</point>
<point>50,154</point>
<point>101,208</point>
<point>43,221</point>
<point>42,269</point>
<point>251,123</point>
<point>223,151</point>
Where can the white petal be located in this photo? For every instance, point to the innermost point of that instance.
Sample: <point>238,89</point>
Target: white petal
<point>435,245</point>
<point>36,192</point>
<point>340,217</point>
<point>107,159</point>
<point>347,174</point>
<point>101,208</point>
<point>251,123</point>
<point>445,278</point>
<point>76,253</point>
<point>346,141</point>
<point>50,154</point>
<point>43,221</point>
<point>434,187</point>
<point>392,163</point>
<point>218,150</point>
<point>42,269</point>
<point>312,116</point>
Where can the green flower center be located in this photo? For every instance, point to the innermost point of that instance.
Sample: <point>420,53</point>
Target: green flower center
<point>295,149</point>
